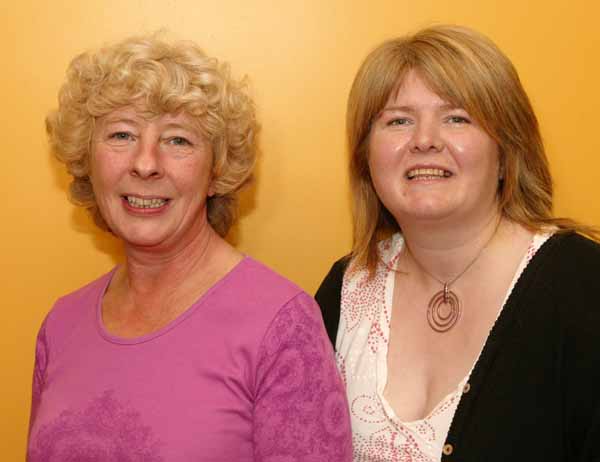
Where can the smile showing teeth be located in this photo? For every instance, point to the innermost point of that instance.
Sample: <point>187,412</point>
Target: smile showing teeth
<point>427,173</point>
<point>140,203</point>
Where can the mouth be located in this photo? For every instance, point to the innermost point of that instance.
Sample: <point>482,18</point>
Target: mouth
<point>427,174</point>
<point>145,203</point>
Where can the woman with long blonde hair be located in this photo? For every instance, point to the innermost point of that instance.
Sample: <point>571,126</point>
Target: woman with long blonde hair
<point>465,319</point>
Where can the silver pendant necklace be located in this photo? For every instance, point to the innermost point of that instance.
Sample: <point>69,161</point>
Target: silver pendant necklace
<point>444,308</point>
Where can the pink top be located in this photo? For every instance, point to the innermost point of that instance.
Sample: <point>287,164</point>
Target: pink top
<point>245,374</point>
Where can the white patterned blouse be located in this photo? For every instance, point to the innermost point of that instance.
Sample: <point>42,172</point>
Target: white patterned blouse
<point>361,345</point>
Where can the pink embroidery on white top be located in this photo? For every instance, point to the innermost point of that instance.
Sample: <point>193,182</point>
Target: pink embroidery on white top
<point>363,334</point>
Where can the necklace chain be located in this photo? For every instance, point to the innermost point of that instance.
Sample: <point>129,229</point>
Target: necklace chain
<point>444,307</point>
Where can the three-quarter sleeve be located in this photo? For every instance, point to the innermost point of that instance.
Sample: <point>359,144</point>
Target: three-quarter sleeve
<point>39,371</point>
<point>301,412</point>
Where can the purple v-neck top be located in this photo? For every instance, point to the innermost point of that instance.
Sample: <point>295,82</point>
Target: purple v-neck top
<point>245,374</point>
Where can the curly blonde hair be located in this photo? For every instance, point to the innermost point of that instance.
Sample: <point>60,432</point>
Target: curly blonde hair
<point>469,71</point>
<point>162,78</point>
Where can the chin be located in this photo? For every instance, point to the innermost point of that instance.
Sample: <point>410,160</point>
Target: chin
<point>427,211</point>
<point>144,242</point>
<point>142,238</point>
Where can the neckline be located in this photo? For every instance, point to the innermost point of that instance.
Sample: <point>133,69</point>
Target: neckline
<point>390,261</point>
<point>193,308</point>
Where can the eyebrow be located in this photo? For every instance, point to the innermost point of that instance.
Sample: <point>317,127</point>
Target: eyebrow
<point>133,121</point>
<point>183,125</point>
<point>398,108</point>
<point>118,119</point>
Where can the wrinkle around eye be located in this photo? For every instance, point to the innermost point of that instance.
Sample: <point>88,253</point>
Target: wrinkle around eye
<point>396,122</point>
<point>120,138</point>
<point>179,141</point>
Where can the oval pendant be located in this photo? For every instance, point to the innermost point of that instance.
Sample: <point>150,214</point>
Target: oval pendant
<point>443,310</point>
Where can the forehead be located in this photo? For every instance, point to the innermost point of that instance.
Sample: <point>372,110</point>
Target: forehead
<point>138,116</point>
<point>414,91</point>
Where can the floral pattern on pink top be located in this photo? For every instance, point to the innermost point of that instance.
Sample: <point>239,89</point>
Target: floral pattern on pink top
<point>107,430</point>
<point>41,362</point>
<point>301,412</point>
<point>246,374</point>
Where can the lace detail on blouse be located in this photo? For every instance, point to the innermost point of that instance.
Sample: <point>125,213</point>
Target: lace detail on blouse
<point>363,335</point>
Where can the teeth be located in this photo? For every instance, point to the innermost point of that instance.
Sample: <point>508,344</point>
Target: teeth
<point>428,173</point>
<point>140,203</point>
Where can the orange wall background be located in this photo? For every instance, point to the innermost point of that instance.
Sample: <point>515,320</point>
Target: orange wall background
<point>301,57</point>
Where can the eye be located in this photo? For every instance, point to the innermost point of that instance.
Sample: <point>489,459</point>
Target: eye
<point>179,141</point>
<point>398,121</point>
<point>121,136</point>
<point>457,119</point>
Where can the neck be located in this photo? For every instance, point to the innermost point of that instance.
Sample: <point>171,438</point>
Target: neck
<point>156,285</point>
<point>151,273</point>
<point>444,251</point>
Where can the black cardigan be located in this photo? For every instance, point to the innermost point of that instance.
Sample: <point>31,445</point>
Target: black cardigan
<point>534,393</point>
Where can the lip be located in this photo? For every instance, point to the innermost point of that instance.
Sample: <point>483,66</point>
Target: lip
<point>427,172</point>
<point>147,205</point>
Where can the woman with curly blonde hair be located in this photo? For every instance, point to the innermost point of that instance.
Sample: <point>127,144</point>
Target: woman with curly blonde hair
<point>189,350</point>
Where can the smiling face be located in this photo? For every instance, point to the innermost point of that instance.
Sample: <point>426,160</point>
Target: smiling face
<point>431,161</point>
<point>151,177</point>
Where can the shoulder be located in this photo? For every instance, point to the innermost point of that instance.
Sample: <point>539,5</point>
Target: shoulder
<point>258,284</point>
<point>328,296</point>
<point>250,297</point>
<point>345,275</point>
<point>332,282</point>
<point>563,280</point>
<point>71,310</point>
<point>69,305</point>
<point>570,260</point>
<point>298,322</point>
<point>85,294</point>
<point>574,244</point>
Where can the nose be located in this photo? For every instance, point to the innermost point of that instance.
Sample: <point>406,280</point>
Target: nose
<point>426,138</point>
<point>146,161</point>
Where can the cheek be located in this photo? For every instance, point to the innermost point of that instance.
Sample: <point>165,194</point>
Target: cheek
<point>383,180</point>
<point>105,173</point>
<point>478,155</point>
<point>192,181</point>
<point>101,180</point>
<point>385,167</point>
<point>380,157</point>
<point>492,164</point>
<point>468,147</point>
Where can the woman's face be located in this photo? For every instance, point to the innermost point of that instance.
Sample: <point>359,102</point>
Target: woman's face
<point>431,162</point>
<point>151,178</point>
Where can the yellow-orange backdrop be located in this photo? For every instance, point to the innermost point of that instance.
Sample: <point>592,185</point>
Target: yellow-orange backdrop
<point>301,57</point>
